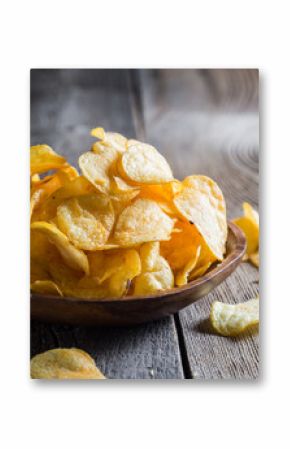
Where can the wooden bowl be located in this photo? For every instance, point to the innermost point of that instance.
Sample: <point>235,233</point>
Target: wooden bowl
<point>133,309</point>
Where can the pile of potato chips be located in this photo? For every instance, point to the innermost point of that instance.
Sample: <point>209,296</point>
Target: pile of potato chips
<point>124,225</point>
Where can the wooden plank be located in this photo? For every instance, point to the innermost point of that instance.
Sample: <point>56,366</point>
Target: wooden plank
<point>65,105</point>
<point>206,122</point>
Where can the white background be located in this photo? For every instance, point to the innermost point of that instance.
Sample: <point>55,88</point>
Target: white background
<point>148,34</point>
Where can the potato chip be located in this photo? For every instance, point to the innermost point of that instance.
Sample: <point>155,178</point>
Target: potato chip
<point>46,287</point>
<point>43,158</point>
<point>96,165</point>
<point>160,278</point>
<point>118,185</point>
<point>143,221</point>
<point>232,319</point>
<point>142,164</point>
<point>249,224</point>
<point>182,245</point>
<point>255,259</point>
<point>129,268</point>
<point>149,253</point>
<point>110,139</point>
<point>86,220</point>
<point>181,277</point>
<point>122,200</point>
<point>34,179</point>
<point>42,190</point>
<point>64,364</point>
<point>201,202</point>
<point>76,187</point>
<point>75,258</point>
<point>200,270</point>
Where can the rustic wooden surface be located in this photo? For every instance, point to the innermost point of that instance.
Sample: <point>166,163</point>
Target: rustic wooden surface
<point>203,121</point>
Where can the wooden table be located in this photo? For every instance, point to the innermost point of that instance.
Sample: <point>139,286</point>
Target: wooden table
<point>203,122</point>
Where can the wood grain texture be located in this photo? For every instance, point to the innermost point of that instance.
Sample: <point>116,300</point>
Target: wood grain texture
<point>203,121</point>
<point>206,122</point>
<point>65,105</point>
<point>147,351</point>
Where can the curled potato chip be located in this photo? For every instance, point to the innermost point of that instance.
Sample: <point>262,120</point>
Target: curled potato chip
<point>181,277</point>
<point>96,165</point>
<point>43,158</point>
<point>114,140</point>
<point>249,224</point>
<point>232,319</point>
<point>160,278</point>
<point>86,220</point>
<point>46,287</point>
<point>64,364</point>
<point>201,202</point>
<point>143,221</point>
<point>75,258</point>
<point>143,164</point>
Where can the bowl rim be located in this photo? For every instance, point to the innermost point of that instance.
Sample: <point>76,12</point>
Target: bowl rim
<point>236,254</point>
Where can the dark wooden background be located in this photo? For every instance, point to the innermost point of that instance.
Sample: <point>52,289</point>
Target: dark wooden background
<point>203,122</point>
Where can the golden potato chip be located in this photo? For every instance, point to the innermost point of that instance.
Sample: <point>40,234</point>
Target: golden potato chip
<point>86,220</point>
<point>35,179</point>
<point>75,258</point>
<point>181,277</point>
<point>42,190</point>
<point>46,287</point>
<point>200,270</point>
<point>43,158</point>
<point>95,166</point>
<point>232,319</point>
<point>142,164</point>
<point>255,259</point>
<point>122,200</point>
<point>249,224</point>
<point>76,187</point>
<point>142,221</point>
<point>201,202</point>
<point>130,267</point>
<point>182,245</point>
<point>118,185</point>
<point>149,253</point>
<point>64,364</point>
<point>160,278</point>
<point>113,140</point>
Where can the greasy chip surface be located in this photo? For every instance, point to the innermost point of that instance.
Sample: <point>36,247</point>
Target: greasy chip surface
<point>201,202</point>
<point>43,158</point>
<point>143,221</point>
<point>233,319</point>
<point>86,220</point>
<point>142,164</point>
<point>64,364</point>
